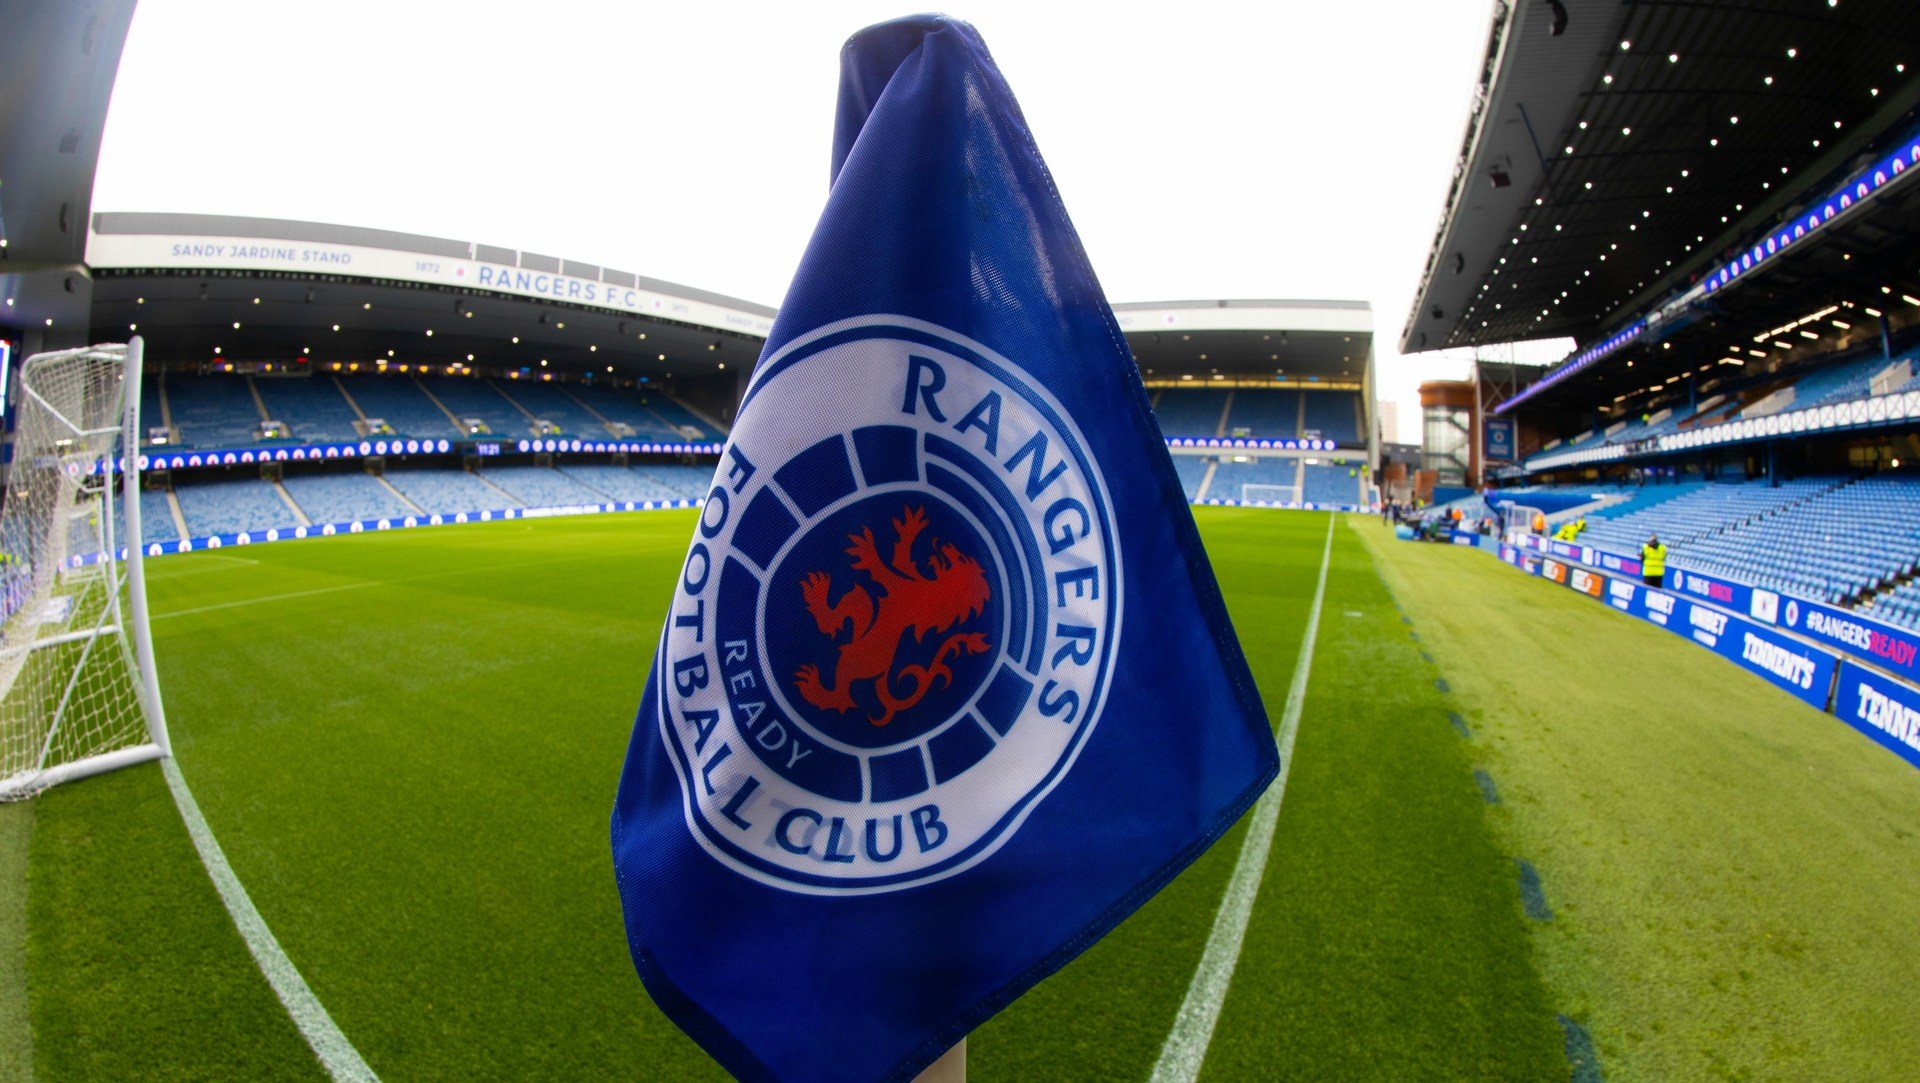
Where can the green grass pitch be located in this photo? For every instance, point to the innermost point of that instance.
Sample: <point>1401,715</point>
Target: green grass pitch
<point>408,744</point>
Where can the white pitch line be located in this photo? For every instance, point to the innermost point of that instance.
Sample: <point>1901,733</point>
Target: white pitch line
<point>337,1055</point>
<point>1186,1046</point>
<point>265,598</point>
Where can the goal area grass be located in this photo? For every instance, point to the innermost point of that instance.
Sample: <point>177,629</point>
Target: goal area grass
<point>1521,832</point>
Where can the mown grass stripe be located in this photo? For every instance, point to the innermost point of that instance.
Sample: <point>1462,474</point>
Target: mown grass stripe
<point>16,1028</point>
<point>336,1054</point>
<point>1186,1045</point>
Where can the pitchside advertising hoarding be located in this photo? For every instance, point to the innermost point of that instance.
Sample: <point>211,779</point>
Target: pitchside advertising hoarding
<point>1840,630</point>
<point>1881,708</point>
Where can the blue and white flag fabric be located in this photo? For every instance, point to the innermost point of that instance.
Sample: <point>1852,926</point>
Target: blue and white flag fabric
<point>947,688</point>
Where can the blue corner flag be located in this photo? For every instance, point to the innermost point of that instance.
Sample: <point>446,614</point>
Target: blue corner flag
<point>947,688</point>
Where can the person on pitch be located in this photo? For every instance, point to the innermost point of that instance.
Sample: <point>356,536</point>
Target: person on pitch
<point>1653,562</point>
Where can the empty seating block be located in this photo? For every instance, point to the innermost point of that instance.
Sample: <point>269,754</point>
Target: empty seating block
<point>1232,478</point>
<point>550,402</point>
<point>1831,546</point>
<point>626,406</point>
<point>229,506</point>
<point>1192,470</point>
<point>311,406</point>
<point>449,492</point>
<point>1264,413</point>
<point>543,487</point>
<point>1696,513</point>
<point>626,483</point>
<point>156,518</point>
<point>683,482</point>
<point>213,411</point>
<point>1190,412</point>
<point>682,418</point>
<point>342,498</point>
<point>467,396</point>
<point>399,402</point>
<point>1331,484</point>
<point>1334,415</point>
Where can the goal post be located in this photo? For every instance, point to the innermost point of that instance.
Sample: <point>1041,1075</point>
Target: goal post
<point>78,693</point>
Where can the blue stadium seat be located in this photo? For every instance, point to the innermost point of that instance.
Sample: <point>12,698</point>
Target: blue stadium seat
<point>543,487</point>
<point>1270,413</point>
<point>341,498</point>
<point>312,407</point>
<point>212,411</point>
<point>228,506</point>
<point>1335,416</point>
<point>1193,412</point>
<point>449,492</point>
<point>399,402</point>
<point>473,397</point>
<point>552,402</point>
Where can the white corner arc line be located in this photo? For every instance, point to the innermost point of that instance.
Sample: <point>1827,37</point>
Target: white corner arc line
<point>1186,1045</point>
<point>336,1054</point>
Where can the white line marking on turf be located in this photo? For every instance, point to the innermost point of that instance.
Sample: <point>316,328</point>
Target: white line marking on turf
<point>337,1055</point>
<point>1186,1046</point>
<point>243,602</point>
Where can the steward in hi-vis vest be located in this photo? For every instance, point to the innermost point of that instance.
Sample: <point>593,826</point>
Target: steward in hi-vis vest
<point>1653,562</point>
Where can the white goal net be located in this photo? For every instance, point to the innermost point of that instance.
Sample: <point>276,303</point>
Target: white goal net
<point>1252,493</point>
<point>77,695</point>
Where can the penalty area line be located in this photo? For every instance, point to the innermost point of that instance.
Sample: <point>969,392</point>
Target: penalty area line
<point>1186,1045</point>
<point>336,1054</point>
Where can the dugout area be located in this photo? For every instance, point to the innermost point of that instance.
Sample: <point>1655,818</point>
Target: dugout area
<point>1501,852</point>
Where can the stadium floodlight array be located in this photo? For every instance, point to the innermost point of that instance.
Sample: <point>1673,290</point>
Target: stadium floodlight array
<point>78,694</point>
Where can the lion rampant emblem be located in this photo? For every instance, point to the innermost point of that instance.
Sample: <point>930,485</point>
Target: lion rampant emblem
<point>951,588</point>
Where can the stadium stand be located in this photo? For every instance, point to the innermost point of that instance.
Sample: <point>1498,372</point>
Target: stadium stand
<point>212,411</point>
<point>228,506</point>
<point>1334,415</point>
<point>624,483</point>
<point>1279,413</point>
<point>449,492</point>
<point>1327,484</point>
<point>550,402</point>
<point>543,487</point>
<point>1192,470</point>
<point>1196,412</point>
<point>340,498</point>
<point>623,407</point>
<point>1832,547</point>
<point>682,482</point>
<point>1230,481</point>
<point>1699,511</point>
<point>1901,605</point>
<point>151,415</point>
<point>400,403</point>
<point>311,406</point>
<point>156,518</point>
<point>682,419</point>
<point>469,397</point>
<point>1271,413</point>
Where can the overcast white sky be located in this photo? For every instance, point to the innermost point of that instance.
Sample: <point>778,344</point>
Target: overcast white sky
<point>1205,150</point>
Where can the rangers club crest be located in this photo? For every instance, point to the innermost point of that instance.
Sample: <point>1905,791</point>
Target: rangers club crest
<point>895,627</point>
